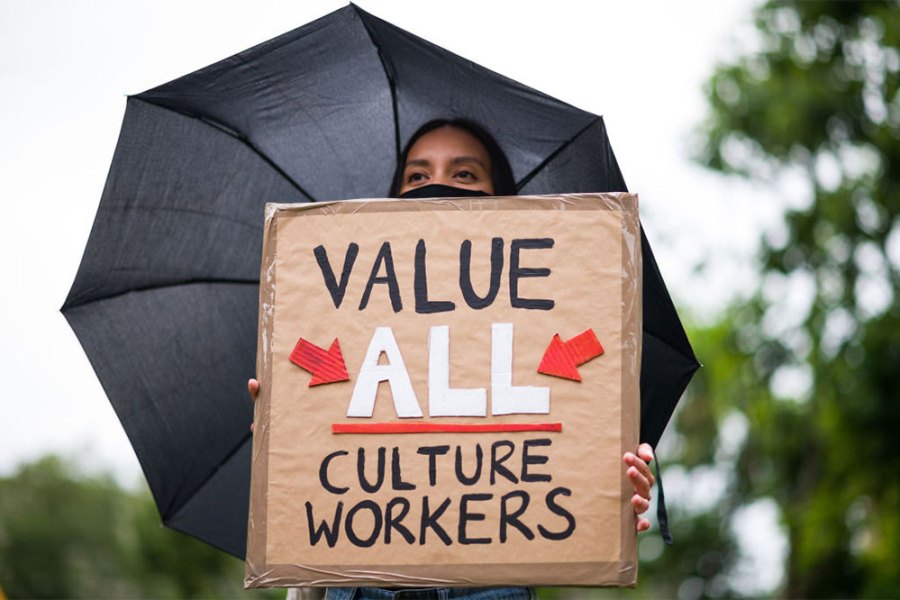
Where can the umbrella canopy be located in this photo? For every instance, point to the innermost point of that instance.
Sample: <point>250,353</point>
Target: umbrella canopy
<point>165,300</point>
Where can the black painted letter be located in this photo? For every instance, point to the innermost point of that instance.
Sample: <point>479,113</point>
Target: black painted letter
<point>430,521</point>
<point>559,510</point>
<point>361,470</point>
<point>323,473</point>
<point>331,533</point>
<point>397,482</point>
<point>420,287</point>
<point>528,459</point>
<point>465,516</point>
<point>431,452</point>
<point>390,278</point>
<point>392,522</point>
<point>465,274</point>
<point>334,288</point>
<point>508,517</point>
<point>497,467</point>
<point>479,458</point>
<point>516,272</point>
<point>376,525</point>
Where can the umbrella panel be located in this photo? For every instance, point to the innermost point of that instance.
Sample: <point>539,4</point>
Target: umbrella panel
<point>165,300</point>
<point>172,375</point>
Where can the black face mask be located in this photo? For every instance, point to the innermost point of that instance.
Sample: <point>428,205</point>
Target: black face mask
<point>437,190</point>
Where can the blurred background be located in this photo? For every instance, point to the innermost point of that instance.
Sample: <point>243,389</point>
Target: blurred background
<point>764,140</point>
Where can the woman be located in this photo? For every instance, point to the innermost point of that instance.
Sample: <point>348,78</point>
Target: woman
<point>453,158</point>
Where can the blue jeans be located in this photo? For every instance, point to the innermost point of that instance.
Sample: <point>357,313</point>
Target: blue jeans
<point>369,593</point>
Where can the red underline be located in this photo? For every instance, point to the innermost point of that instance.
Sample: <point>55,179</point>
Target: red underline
<point>442,428</point>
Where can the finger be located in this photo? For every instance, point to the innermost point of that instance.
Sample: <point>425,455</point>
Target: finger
<point>640,504</point>
<point>646,472</point>
<point>253,390</point>
<point>638,463</point>
<point>645,453</point>
<point>642,525</point>
<point>640,483</point>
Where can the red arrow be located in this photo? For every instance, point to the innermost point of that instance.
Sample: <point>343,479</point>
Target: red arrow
<point>326,367</point>
<point>561,358</point>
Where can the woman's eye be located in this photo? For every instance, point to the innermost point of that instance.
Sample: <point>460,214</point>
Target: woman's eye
<point>465,175</point>
<point>415,177</point>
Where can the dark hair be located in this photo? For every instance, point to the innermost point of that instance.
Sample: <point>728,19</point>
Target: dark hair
<point>501,172</point>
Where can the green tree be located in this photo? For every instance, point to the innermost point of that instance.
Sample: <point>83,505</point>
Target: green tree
<point>705,552</point>
<point>68,535</point>
<point>816,355</point>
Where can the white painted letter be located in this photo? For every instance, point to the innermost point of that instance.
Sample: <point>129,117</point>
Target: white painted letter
<point>507,399</point>
<point>444,401</point>
<point>362,404</point>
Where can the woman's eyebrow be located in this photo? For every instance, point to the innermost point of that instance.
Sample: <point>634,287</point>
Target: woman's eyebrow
<point>458,160</point>
<point>417,162</point>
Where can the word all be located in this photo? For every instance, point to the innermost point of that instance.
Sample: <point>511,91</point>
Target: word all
<point>444,401</point>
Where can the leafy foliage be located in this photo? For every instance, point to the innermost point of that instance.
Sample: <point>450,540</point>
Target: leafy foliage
<point>814,357</point>
<point>65,535</point>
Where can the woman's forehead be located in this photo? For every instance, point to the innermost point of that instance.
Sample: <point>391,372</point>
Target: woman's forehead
<point>448,140</point>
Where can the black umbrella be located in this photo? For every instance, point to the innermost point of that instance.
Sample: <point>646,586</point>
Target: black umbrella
<point>165,299</point>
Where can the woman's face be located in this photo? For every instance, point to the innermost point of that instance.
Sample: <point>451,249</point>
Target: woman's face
<point>449,156</point>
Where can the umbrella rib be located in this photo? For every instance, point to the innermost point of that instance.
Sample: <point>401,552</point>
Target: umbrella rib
<point>525,180</point>
<point>210,280</point>
<point>692,357</point>
<point>174,510</point>
<point>388,74</point>
<point>236,135</point>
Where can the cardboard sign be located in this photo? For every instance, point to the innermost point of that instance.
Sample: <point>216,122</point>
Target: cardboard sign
<point>447,389</point>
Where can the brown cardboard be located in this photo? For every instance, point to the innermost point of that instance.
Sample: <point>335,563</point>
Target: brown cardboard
<point>594,281</point>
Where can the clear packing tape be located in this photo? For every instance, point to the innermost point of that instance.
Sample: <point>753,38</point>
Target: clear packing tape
<point>472,493</point>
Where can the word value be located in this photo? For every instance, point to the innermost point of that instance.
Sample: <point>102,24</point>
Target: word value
<point>384,261</point>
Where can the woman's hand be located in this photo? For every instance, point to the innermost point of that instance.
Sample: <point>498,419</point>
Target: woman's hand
<point>253,390</point>
<point>642,480</point>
